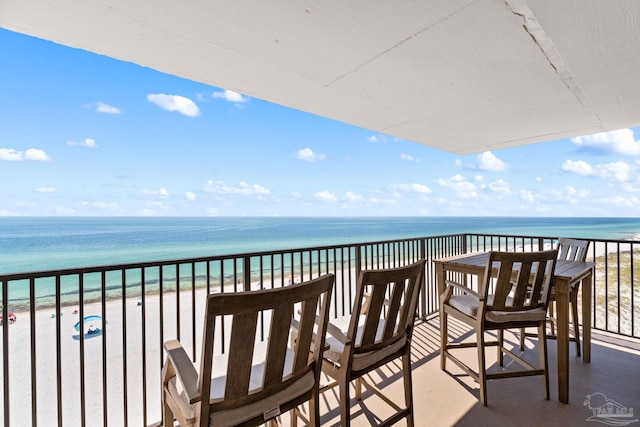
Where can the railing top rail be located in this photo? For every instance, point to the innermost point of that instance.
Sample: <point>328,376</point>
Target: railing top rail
<point>221,257</point>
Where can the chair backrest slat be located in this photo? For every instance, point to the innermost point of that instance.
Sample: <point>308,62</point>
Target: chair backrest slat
<point>305,336</point>
<point>374,312</point>
<point>243,331</point>
<point>392,321</point>
<point>278,340</point>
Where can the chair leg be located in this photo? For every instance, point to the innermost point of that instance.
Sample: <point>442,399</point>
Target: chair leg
<point>482,374</point>
<point>314,410</point>
<point>444,338</point>
<point>408,387</point>
<point>573,298</point>
<point>522,331</point>
<point>358,388</point>
<point>552,317</point>
<point>500,345</point>
<point>544,360</point>
<point>167,415</point>
<point>345,401</point>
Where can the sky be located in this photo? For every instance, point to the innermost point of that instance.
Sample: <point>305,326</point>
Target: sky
<point>87,135</point>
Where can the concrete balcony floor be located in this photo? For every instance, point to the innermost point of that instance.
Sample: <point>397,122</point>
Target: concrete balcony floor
<point>451,398</point>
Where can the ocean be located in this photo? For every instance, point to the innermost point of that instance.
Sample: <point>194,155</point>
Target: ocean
<point>43,243</point>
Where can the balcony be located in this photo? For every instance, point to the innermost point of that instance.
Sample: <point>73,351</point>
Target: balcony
<point>56,374</point>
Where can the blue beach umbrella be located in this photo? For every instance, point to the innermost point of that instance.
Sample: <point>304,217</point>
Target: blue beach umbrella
<point>88,321</point>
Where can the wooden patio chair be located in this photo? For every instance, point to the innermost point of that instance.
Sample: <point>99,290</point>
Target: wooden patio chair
<point>254,381</point>
<point>570,250</point>
<point>377,332</point>
<point>510,296</point>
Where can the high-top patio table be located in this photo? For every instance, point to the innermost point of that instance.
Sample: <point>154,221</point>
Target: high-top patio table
<point>567,275</point>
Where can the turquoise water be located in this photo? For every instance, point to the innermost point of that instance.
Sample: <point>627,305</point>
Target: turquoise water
<point>31,244</point>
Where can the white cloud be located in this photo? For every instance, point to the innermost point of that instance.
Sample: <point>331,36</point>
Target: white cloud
<point>308,155</point>
<point>190,196</point>
<point>100,205</point>
<point>411,188</point>
<point>619,141</point>
<point>621,202</point>
<point>12,155</point>
<point>162,192</point>
<point>231,96</point>
<point>618,171</point>
<point>326,196</point>
<point>45,190</point>
<point>574,192</point>
<point>527,195</point>
<point>352,197</point>
<point>373,138</point>
<point>88,142</point>
<point>101,107</point>
<point>242,189</point>
<point>380,201</point>
<point>580,167</point>
<point>459,185</point>
<point>500,186</point>
<point>176,103</point>
<point>489,162</point>
<point>409,158</point>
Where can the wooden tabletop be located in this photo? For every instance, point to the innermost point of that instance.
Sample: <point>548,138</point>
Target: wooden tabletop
<point>476,261</point>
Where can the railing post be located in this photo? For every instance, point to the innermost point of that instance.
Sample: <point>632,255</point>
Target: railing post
<point>423,285</point>
<point>246,273</point>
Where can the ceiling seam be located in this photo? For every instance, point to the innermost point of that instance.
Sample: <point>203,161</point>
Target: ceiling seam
<point>542,40</point>
<point>384,52</point>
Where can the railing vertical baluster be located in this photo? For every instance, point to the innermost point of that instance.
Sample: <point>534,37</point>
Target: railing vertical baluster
<point>34,376</point>
<point>606,288</point>
<point>161,312</point>
<point>83,394</point>
<point>618,287</point>
<point>5,351</point>
<point>178,334</point>
<point>58,353</point>
<point>125,395</point>
<point>193,310</point>
<point>143,283</point>
<point>633,294</point>
<point>103,296</point>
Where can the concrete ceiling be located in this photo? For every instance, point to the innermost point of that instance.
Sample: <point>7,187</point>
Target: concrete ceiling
<point>460,75</point>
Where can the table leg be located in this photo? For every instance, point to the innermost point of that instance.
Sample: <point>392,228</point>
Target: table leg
<point>587,284</point>
<point>562,327</point>
<point>440,279</point>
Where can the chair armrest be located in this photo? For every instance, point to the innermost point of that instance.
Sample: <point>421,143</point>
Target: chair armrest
<point>463,288</point>
<point>337,333</point>
<point>184,369</point>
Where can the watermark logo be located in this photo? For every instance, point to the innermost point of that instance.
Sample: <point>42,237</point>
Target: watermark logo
<point>607,411</point>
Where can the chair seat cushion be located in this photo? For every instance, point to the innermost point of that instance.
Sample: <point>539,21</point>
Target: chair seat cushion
<point>246,412</point>
<point>468,305</point>
<point>335,348</point>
